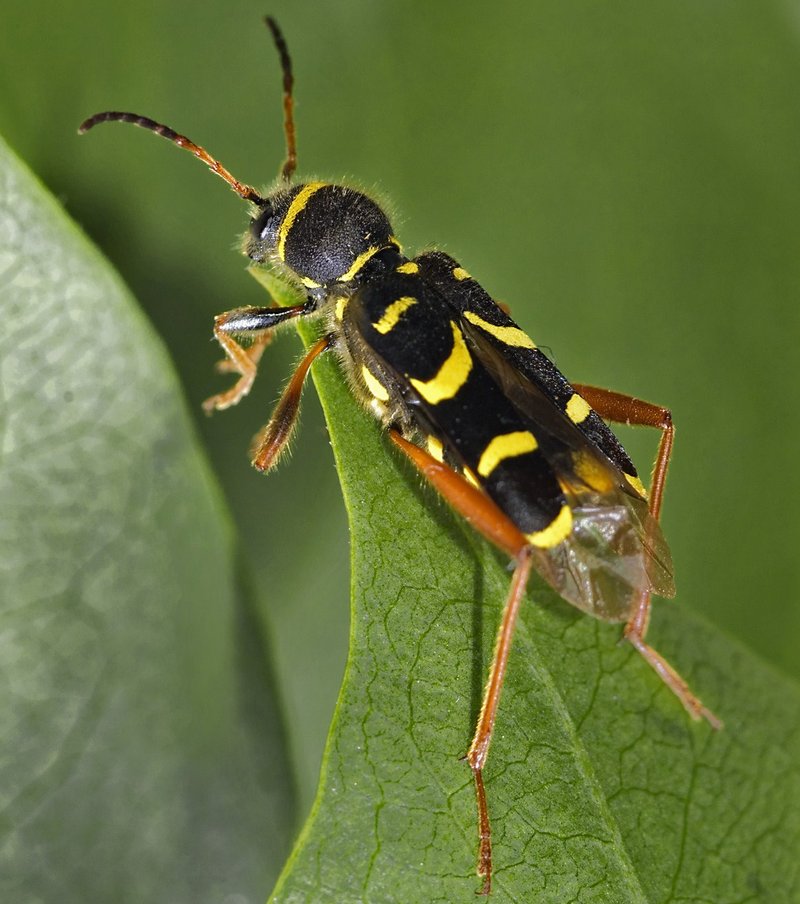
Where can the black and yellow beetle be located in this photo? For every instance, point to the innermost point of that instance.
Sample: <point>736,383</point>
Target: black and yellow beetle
<point>466,395</point>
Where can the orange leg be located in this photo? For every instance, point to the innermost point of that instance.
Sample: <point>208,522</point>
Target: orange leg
<point>244,361</point>
<point>254,351</point>
<point>624,409</point>
<point>273,440</point>
<point>485,516</point>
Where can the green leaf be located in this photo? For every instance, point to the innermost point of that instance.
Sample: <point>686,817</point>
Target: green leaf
<point>623,175</point>
<point>142,755</point>
<point>600,787</point>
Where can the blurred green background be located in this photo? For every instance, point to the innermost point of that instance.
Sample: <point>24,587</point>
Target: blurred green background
<point>624,176</point>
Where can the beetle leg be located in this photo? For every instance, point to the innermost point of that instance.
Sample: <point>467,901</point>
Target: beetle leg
<point>625,409</point>
<point>486,517</point>
<point>273,440</point>
<point>259,322</point>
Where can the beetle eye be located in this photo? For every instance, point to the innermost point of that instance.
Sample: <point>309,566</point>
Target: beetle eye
<point>260,224</point>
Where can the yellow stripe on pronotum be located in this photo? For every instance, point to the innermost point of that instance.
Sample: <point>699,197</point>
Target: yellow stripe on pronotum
<point>298,203</point>
<point>358,263</point>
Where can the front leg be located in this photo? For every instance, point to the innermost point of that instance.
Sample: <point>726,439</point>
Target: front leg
<point>257,322</point>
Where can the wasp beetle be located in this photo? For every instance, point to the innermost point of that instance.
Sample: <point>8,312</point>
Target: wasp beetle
<point>482,413</point>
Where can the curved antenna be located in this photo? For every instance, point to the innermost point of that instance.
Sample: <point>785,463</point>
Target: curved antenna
<point>244,191</point>
<point>290,164</point>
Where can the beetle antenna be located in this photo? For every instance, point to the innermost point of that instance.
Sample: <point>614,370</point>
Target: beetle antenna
<point>290,164</point>
<point>244,191</point>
